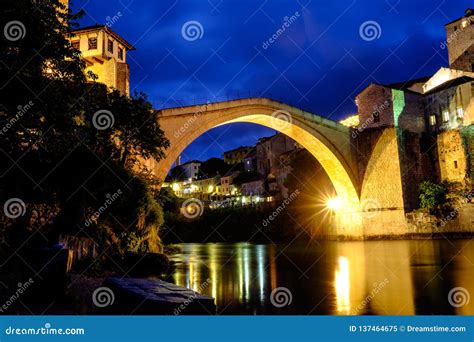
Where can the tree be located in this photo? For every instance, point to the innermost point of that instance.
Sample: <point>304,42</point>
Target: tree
<point>53,149</point>
<point>432,195</point>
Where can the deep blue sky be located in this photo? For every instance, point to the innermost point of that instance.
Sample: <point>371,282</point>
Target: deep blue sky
<point>319,63</point>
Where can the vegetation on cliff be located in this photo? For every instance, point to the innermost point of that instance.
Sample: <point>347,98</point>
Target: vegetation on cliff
<point>69,146</point>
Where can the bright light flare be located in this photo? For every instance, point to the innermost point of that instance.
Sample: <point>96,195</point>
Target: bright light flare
<point>334,203</point>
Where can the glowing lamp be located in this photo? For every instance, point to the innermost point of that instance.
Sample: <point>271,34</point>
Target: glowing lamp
<point>334,203</point>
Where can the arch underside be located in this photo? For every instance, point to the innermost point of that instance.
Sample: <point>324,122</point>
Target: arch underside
<point>325,151</point>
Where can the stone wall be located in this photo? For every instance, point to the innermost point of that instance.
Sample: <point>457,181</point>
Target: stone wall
<point>465,61</point>
<point>450,100</point>
<point>424,223</point>
<point>413,170</point>
<point>382,200</point>
<point>459,37</point>
<point>375,107</point>
<point>123,78</point>
<point>113,74</point>
<point>452,158</point>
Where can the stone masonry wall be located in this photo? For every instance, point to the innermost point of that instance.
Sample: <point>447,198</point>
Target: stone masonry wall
<point>459,37</point>
<point>382,192</point>
<point>465,61</point>
<point>375,107</point>
<point>452,158</point>
<point>424,223</point>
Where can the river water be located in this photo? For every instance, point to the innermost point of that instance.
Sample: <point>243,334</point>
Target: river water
<point>332,278</point>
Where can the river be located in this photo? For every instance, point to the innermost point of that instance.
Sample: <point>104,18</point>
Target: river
<point>332,278</point>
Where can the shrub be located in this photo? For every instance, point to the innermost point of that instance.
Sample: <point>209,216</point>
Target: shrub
<point>432,195</point>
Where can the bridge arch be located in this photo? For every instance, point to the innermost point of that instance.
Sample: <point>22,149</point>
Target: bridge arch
<point>326,140</point>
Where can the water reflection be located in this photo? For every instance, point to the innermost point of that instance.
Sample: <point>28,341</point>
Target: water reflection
<point>344,278</point>
<point>342,285</point>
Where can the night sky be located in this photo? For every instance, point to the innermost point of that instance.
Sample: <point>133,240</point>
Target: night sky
<point>319,63</point>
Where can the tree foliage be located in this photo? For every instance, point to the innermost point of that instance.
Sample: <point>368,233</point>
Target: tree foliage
<point>432,195</point>
<point>52,149</point>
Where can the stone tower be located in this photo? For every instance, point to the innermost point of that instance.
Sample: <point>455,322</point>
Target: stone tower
<point>460,42</point>
<point>105,54</point>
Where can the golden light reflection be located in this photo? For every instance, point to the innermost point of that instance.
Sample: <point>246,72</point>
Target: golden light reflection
<point>342,285</point>
<point>213,265</point>
<point>240,273</point>
<point>246,274</point>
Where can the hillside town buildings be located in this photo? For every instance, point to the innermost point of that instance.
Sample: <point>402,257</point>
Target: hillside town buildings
<point>256,175</point>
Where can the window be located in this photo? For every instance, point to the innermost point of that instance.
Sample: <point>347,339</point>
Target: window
<point>446,116</point>
<point>460,112</point>
<point>432,120</point>
<point>464,24</point>
<point>120,53</point>
<point>110,46</point>
<point>455,28</point>
<point>76,44</point>
<point>92,43</point>
<point>455,164</point>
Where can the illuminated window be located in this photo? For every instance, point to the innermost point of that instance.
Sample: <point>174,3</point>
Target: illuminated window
<point>92,43</point>
<point>432,120</point>
<point>460,112</point>
<point>120,53</point>
<point>110,46</point>
<point>446,116</point>
<point>76,44</point>
<point>464,23</point>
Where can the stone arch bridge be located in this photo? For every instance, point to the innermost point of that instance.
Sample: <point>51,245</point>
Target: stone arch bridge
<point>328,141</point>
